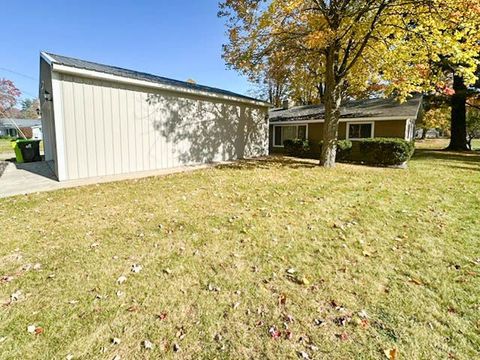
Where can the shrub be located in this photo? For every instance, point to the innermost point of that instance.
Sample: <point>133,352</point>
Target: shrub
<point>384,151</point>
<point>344,149</point>
<point>296,147</point>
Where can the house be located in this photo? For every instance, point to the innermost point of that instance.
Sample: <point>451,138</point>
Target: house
<point>359,119</point>
<point>31,128</point>
<point>103,120</point>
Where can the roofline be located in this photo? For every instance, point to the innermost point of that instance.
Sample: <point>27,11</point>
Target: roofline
<point>72,70</point>
<point>47,58</point>
<point>384,118</point>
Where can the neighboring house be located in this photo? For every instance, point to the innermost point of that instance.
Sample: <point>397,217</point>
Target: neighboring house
<point>359,119</point>
<point>103,120</point>
<point>31,128</point>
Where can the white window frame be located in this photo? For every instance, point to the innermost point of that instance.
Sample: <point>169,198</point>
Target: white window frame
<point>372,134</point>
<point>296,126</point>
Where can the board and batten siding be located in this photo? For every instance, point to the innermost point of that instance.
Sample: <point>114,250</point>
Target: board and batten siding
<point>111,128</point>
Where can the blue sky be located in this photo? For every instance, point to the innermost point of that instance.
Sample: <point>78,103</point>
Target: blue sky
<point>180,39</point>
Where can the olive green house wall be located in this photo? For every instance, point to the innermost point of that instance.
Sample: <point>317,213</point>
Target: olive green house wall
<point>382,128</point>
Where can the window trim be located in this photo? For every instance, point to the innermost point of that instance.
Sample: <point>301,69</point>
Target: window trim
<point>372,133</point>
<point>295,125</point>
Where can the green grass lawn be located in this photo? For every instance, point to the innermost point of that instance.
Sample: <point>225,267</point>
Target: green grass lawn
<point>5,146</point>
<point>267,259</point>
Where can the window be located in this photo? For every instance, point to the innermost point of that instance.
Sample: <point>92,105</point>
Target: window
<point>288,132</point>
<point>359,130</point>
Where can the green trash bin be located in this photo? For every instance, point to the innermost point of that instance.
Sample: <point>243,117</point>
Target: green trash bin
<point>18,152</point>
<point>27,150</point>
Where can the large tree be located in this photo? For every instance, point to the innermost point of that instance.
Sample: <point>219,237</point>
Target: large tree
<point>340,34</point>
<point>30,108</point>
<point>359,45</point>
<point>9,95</point>
<point>450,35</point>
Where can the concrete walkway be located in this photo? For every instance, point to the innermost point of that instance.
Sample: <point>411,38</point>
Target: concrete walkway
<point>28,178</point>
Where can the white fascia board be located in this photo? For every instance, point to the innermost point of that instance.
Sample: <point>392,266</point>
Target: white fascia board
<point>47,58</point>
<point>316,121</point>
<point>142,83</point>
<point>57,97</point>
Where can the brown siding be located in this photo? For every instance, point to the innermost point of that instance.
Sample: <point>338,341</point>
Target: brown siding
<point>390,128</point>
<point>27,131</point>
<point>383,128</point>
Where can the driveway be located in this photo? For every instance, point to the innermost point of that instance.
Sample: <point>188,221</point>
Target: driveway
<point>27,178</point>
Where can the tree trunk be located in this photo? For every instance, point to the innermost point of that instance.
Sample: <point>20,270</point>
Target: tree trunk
<point>333,98</point>
<point>458,140</point>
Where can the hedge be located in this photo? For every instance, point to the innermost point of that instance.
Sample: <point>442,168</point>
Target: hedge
<point>344,149</point>
<point>376,151</point>
<point>385,151</point>
<point>296,147</point>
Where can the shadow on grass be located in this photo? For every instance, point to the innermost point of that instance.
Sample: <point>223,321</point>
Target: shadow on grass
<point>269,162</point>
<point>468,160</point>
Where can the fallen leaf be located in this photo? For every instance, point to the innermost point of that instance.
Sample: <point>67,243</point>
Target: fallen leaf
<point>343,336</point>
<point>116,341</point>
<point>274,333</point>
<point>26,267</point>
<point>134,308</point>
<point>162,315</point>
<point>303,355</point>
<point>304,281</point>
<point>212,287</point>
<point>16,296</point>
<point>37,266</point>
<point>136,268</point>
<point>291,271</point>
<point>121,279</point>
<point>363,314</point>
<point>31,328</point>
<point>167,271</point>
<point>282,299</point>
<point>391,354</point>
<point>6,279</point>
<point>416,281</point>
<point>176,347</point>
<point>148,345</point>
<point>69,357</point>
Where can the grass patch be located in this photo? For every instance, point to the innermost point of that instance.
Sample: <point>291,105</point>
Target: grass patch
<point>378,259</point>
<point>6,146</point>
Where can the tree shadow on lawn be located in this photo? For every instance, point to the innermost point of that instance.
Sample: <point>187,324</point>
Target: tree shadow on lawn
<point>468,160</point>
<point>269,162</point>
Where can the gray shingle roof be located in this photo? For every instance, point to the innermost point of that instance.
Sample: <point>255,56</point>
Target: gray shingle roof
<point>113,70</point>
<point>7,123</point>
<point>369,108</point>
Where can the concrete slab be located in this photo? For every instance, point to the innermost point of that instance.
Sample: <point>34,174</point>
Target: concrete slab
<point>28,178</point>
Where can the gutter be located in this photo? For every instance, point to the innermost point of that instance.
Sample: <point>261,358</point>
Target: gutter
<point>386,118</point>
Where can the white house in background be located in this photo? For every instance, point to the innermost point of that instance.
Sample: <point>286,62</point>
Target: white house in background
<point>102,120</point>
<point>30,127</point>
